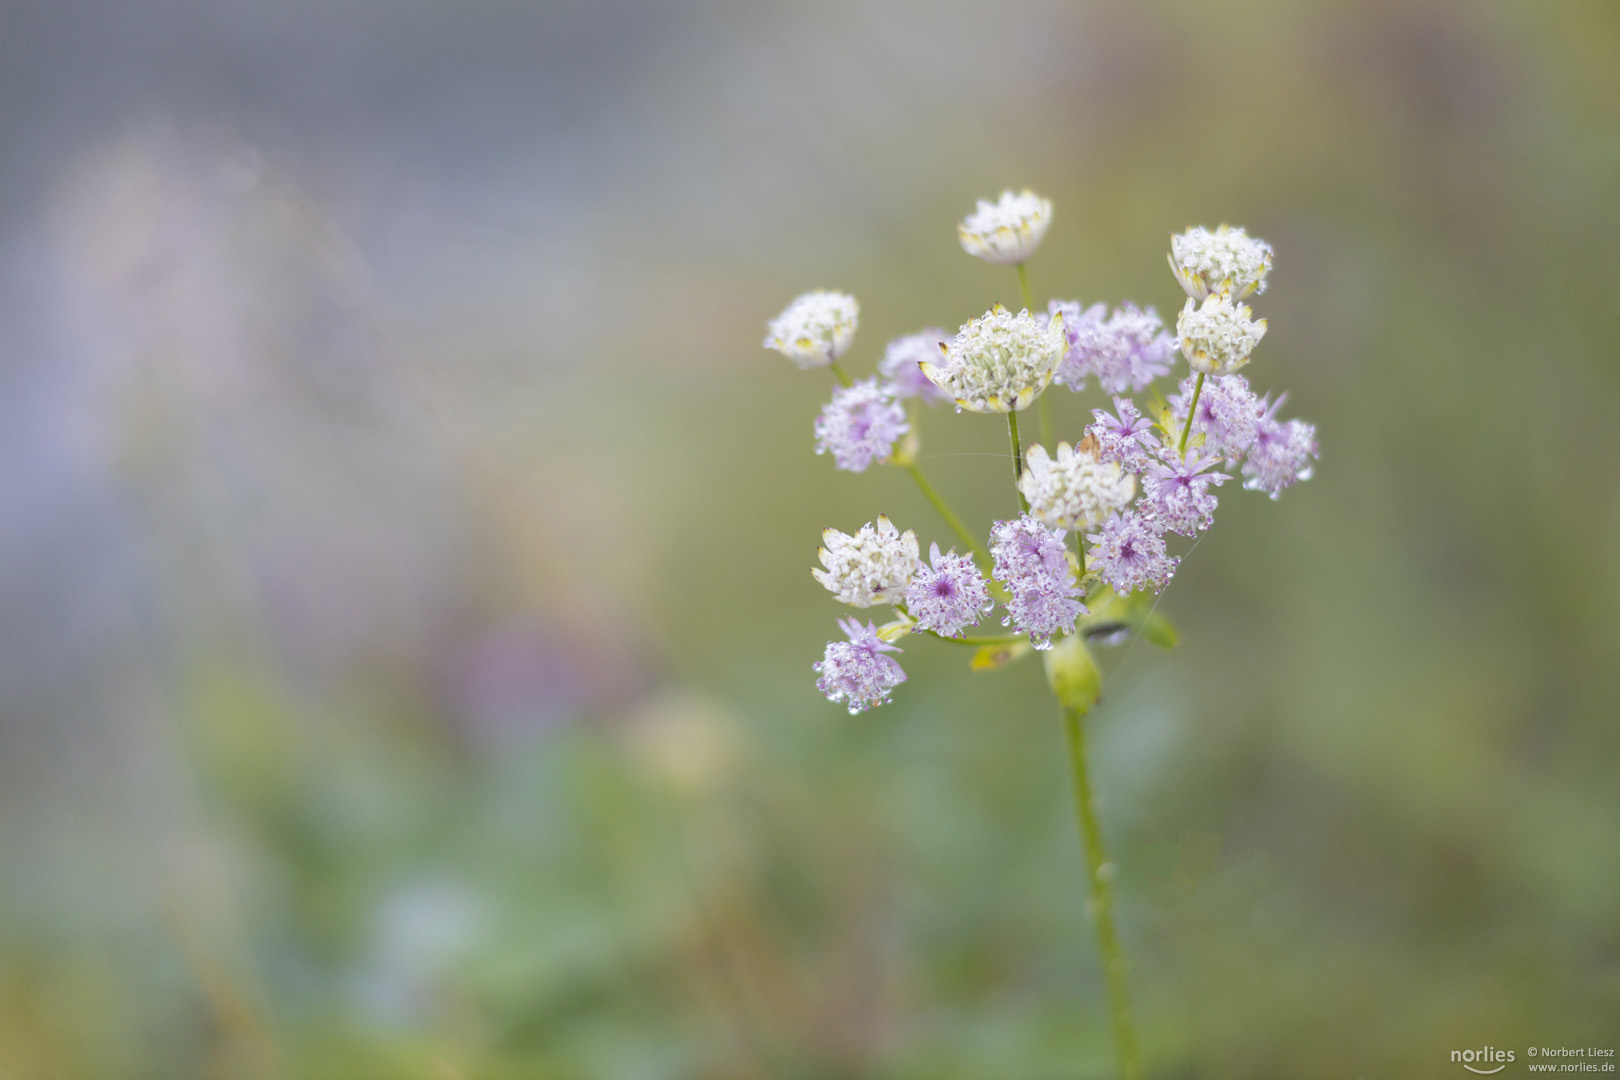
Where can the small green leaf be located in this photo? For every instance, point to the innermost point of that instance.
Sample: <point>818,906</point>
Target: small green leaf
<point>1159,409</point>
<point>991,657</point>
<point>1141,617</point>
<point>1073,675</point>
<point>1134,611</point>
<point>893,631</point>
<point>1157,629</point>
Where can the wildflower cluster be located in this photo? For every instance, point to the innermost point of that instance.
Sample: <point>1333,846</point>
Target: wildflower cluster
<point>1144,474</point>
<point>1146,470</point>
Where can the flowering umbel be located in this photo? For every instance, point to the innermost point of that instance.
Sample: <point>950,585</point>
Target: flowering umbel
<point>873,566</point>
<point>1100,510</point>
<point>1218,335</point>
<point>816,329</point>
<point>1227,260</point>
<point>999,362</point>
<point>1075,490</point>
<point>1006,231</point>
<point>1086,560</point>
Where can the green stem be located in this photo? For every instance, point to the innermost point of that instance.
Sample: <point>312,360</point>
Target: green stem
<point>1191,409</point>
<point>1101,873</point>
<point>1023,287</point>
<point>946,512</point>
<point>839,372</point>
<point>999,639</point>
<point>1018,457</point>
<point>1080,549</point>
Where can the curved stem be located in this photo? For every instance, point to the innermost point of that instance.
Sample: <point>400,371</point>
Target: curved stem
<point>1191,409</point>
<point>998,639</point>
<point>1101,873</point>
<point>1045,409</point>
<point>946,512</point>
<point>1018,458</point>
<point>839,372</point>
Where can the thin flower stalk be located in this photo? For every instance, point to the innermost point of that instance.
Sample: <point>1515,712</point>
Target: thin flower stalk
<point>1099,877</point>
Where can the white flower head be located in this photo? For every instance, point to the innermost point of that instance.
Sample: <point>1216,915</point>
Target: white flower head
<point>1007,231</point>
<point>1000,362</point>
<point>816,329</point>
<point>1227,260</point>
<point>1074,490</point>
<point>1218,335</point>
<point>874,566</point>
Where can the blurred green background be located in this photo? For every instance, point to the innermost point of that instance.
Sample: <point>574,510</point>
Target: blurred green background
<point>404,543</point>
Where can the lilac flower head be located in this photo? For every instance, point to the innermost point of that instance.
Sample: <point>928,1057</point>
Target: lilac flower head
<point>1031,561</point>
<point>1125,351</point>
<point>855,672</point>
<point>900,365</point>
<point>860,425</point>
<point>1081,328</point>
<point>1024,549</point>
<point>1122,437</point>
<point>1128,553</point>
<point>948,595</point>
<point>1140,350</point>
<point>1281,453</point>
<point>1043,610</point>
<point>1175,491</point>
<point>1227,410</point>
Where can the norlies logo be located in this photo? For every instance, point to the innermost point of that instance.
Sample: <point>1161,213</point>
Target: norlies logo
<point>1486,1056</point>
